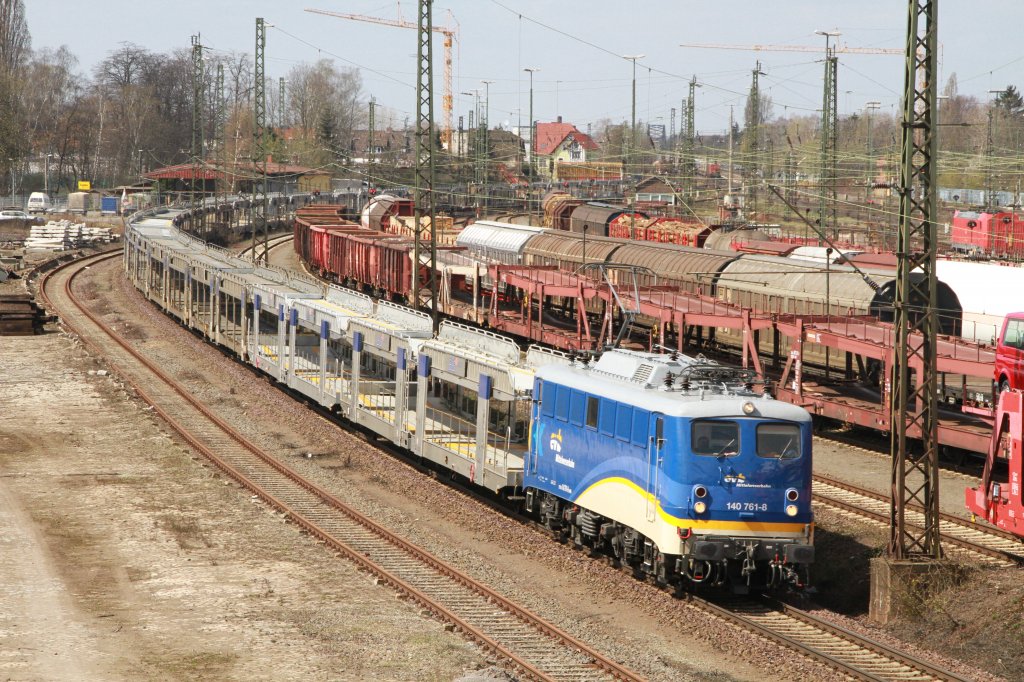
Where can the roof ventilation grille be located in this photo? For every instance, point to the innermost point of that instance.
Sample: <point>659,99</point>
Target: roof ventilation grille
<point>642,373</point>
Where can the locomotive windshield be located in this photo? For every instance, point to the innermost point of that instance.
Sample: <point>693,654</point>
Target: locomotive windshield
<point>715,438</point>
<point>778,441</point>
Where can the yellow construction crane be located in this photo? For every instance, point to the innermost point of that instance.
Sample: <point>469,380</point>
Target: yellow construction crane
<point>450,36</point>
<point>796,48</point>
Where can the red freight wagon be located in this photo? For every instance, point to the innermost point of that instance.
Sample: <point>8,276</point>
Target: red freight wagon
<point>338,251</point>
<point>330,248</point>
<point>318,252</point>
<point>380,262</point>
<point>383,263</point>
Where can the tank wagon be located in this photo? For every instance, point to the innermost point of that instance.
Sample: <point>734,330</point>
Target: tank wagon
<point>673,464</point>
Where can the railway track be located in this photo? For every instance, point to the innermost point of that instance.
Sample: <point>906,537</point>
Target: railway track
<point>272,244</point>
<point>858,657</point>
<point>528,643</point>
<point>993,545</point>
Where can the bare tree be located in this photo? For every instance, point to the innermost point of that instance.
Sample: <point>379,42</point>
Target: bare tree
<point>15,40</point>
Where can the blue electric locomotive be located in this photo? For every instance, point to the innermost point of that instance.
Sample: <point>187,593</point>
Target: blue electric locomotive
<point>677,466</point>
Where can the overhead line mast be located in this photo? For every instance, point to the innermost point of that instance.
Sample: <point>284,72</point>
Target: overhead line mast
<point>195,199</point>
<point>915,407</point>
<point>258,209</point>
<point>829,132</point>
<point>425,154</point>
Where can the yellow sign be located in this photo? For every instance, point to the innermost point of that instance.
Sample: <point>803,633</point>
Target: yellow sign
<point>84,185</point>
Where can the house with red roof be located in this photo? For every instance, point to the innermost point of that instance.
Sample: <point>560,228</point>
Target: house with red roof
<point>559,144</point>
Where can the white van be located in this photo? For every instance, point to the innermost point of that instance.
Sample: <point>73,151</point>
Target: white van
<point>38,202</point>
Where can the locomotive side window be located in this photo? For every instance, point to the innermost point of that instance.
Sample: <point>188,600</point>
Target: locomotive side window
<point>778,441</point>
<point>715,438</point>
<point>592,411</point>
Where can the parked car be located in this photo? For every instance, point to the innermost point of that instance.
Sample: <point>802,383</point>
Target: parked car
<point>1009,372</point>
<point>39,202</point>
<point>8,214</point>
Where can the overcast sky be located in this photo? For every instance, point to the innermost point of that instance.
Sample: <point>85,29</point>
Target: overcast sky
<point>582,82</point>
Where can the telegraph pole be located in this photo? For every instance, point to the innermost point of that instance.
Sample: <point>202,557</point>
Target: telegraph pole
<point>195,198</point>
<point>370,152</point>
<point>632,123</point>
<point>915,408</point>
<point>425,153</point>
<point>258,209</point>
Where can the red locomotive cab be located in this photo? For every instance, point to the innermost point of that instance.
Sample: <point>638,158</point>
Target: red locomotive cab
<point>998,499</point>
<point>1009,364</point>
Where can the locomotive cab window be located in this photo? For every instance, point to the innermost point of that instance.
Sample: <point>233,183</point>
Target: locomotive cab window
<point>778,441</point>
<point>592,411</point>
<point>715,438</point>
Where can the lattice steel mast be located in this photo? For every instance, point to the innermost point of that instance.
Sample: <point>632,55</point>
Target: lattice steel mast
<point>425,152</point>
<point>753,124</point>
<point>220,131</point>
<point>829,132</point>
<point>258,209</point>
<point>915,407</point>
<point>195,199</point>
<point>689,136</point>
<point>280,103</point>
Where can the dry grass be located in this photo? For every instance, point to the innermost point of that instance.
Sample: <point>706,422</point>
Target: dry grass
<point>187,532</point>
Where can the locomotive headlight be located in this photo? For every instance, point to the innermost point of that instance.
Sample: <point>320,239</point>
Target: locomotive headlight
<point>700,507</point>
<point>700,491</point>
<point>748,408</point>
<point>792,494</point>
<point>791,509</point>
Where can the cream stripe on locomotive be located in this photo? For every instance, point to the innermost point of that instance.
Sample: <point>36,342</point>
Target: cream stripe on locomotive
<point>636,508</point>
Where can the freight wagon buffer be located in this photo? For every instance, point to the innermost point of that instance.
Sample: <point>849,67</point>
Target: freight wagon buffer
<point>473,403</point>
